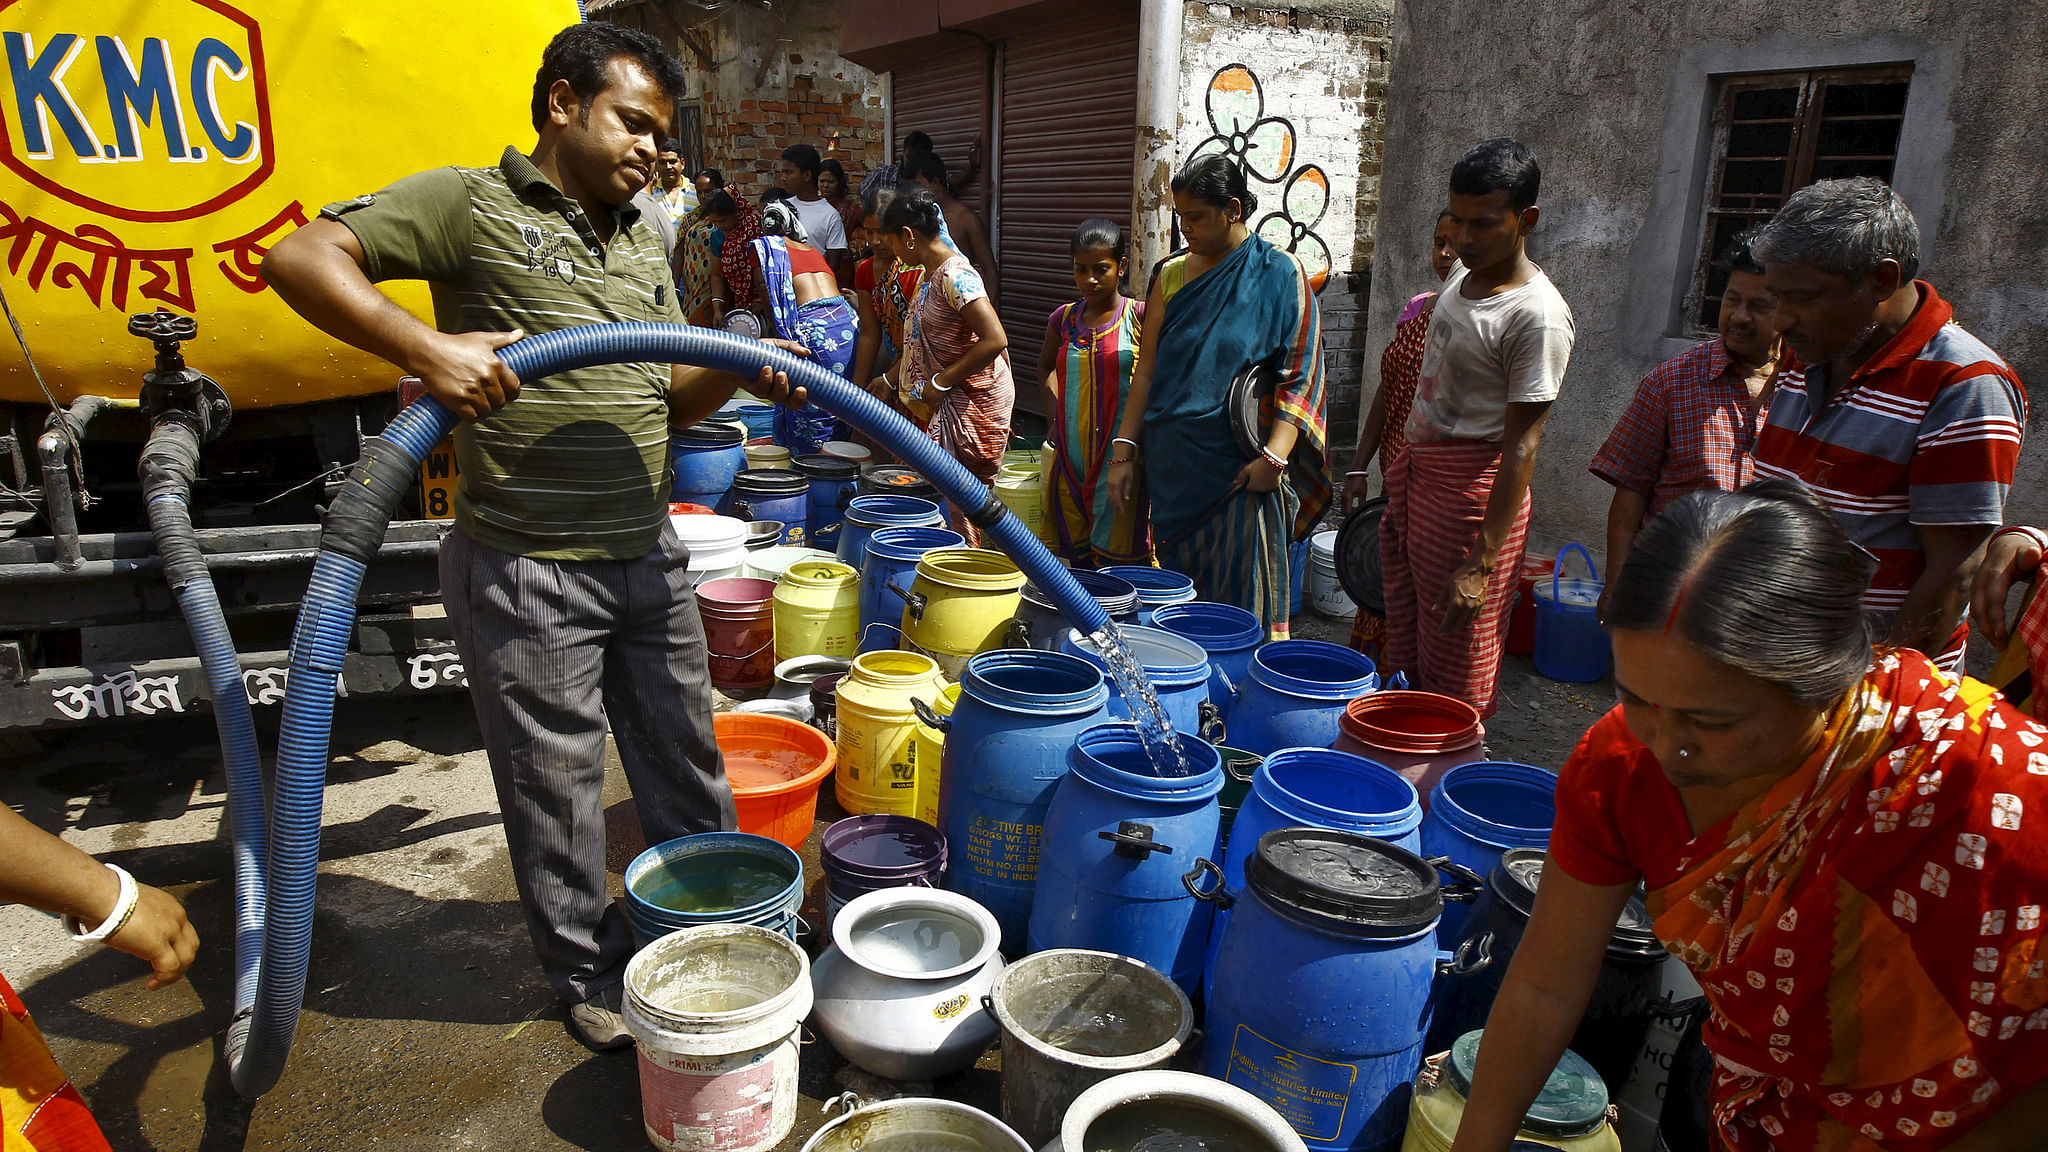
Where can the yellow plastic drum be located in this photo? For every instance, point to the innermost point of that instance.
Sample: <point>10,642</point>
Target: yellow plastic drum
<point>151,153</point>
<point>876,774</point>
<point>961,602</point>
<point>1570,1113</point>
<point>817,610</point>
<point>1022,491</point>
<point>927,746</point>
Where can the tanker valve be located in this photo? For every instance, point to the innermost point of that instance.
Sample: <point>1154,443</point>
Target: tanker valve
<point>172,387</point>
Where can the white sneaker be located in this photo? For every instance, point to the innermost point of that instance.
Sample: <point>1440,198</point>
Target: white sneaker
<point>597,1023</point>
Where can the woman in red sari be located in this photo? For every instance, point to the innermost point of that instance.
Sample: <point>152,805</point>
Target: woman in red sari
<point>40,1110</point>
<point>1835,840</point>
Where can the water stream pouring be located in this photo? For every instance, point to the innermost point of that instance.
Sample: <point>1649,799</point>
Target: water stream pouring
<point>260,1037</point>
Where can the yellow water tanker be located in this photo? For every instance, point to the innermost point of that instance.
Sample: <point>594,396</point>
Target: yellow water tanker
<point>151,151</point>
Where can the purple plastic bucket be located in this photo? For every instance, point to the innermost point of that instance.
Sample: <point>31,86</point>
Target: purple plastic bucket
<point>864,853</point>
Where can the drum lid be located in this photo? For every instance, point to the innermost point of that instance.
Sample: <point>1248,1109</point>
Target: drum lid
<point>822,467</point>
<point>771,482</point>
<point>896,480</point>
<point>1514,882</point>
<point>1573,1102</point>
<point>1358,556</point>
<point>722,433</point>
<point>1349,883</point>
<point>1248,393</point>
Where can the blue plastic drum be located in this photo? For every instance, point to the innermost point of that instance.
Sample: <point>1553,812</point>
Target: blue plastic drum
<point>1118,838</point>
<point>1480,810</point>
<point>1178,670</point>
<point>1229,635</point>
<point>1006,751</point>
<point>892,556</point>
<point>833,482</point>
<point>705,458</point>
<point>1319,788</point>
<point>773,494</point>
<point>1320,994</point>
<point>864,514</point>
<point>1294,693</point>
<point>1157,587</point>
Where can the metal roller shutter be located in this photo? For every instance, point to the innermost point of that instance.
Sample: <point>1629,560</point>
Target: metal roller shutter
<point>1069,115</point>
<point>946,97</point>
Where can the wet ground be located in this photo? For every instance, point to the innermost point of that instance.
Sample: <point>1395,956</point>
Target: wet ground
<point>426,1024</point>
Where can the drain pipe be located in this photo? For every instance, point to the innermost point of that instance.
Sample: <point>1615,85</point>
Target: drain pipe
<point>259,1042</point>
<point>60,501</point>
<point>1153,159</point>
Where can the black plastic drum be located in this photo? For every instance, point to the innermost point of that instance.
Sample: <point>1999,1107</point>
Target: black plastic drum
<point>1610,1035</point>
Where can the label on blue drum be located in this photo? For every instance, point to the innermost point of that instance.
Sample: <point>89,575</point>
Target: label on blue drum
<point>1003,850</point>
<point>1310,1094</point>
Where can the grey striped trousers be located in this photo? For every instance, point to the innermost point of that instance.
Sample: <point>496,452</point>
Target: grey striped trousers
<point>554,649</point>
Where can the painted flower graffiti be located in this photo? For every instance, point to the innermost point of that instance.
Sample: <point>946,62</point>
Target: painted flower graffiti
<point>1265,146</point>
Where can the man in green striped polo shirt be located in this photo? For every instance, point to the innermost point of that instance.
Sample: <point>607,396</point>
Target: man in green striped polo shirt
<point>567,590</point>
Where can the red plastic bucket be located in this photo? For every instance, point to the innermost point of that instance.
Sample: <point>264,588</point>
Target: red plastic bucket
<point>739,630</point>
<point>1421,735</point>
<point>1521,640</point>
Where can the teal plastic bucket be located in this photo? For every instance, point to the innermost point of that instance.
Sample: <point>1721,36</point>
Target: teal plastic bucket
<point>713,878</point>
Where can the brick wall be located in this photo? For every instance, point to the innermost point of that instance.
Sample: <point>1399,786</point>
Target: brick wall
<point>1345,356</point>
<point>775,78</point>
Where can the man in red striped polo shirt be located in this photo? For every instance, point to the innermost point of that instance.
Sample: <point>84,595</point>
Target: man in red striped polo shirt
<point>1908,426</point>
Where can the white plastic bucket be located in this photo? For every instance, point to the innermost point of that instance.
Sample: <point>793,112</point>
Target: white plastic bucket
<point>769,563</point>
<point>717,544</point>
<point>1326,592</point>
<point>847,450</point>
<point>715,1011</point>
<point>917,1123</point>
<point>1184,1094</point>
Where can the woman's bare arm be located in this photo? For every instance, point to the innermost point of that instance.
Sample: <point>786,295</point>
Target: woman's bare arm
<point>1540,1003</point>
<point>1122,474</point>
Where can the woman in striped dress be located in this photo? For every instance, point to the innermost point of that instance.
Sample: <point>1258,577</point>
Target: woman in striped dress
<point>954,374</point>
<point>1090,351</point>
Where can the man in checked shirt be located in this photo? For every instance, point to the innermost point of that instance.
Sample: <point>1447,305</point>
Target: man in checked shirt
<point>1694,421</point>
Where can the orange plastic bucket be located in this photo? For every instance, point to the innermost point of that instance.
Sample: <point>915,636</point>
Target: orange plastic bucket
<point>776,766</point>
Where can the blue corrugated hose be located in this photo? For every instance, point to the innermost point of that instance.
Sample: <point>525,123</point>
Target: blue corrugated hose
<point>260,1040</point>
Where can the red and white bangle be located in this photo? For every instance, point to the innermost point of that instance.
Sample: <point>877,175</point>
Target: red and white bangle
<point>2039,537</point>
<point>124,907</point>
<point>1278,461</point>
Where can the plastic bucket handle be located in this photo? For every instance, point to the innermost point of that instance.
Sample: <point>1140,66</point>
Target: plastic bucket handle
<point>1558,567</point>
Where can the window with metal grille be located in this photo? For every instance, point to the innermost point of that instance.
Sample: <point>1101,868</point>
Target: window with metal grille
<point>1775,134</point>
<point>689,132</point>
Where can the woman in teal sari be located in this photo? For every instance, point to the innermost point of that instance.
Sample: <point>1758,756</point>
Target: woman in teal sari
<point>1228,302</point>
